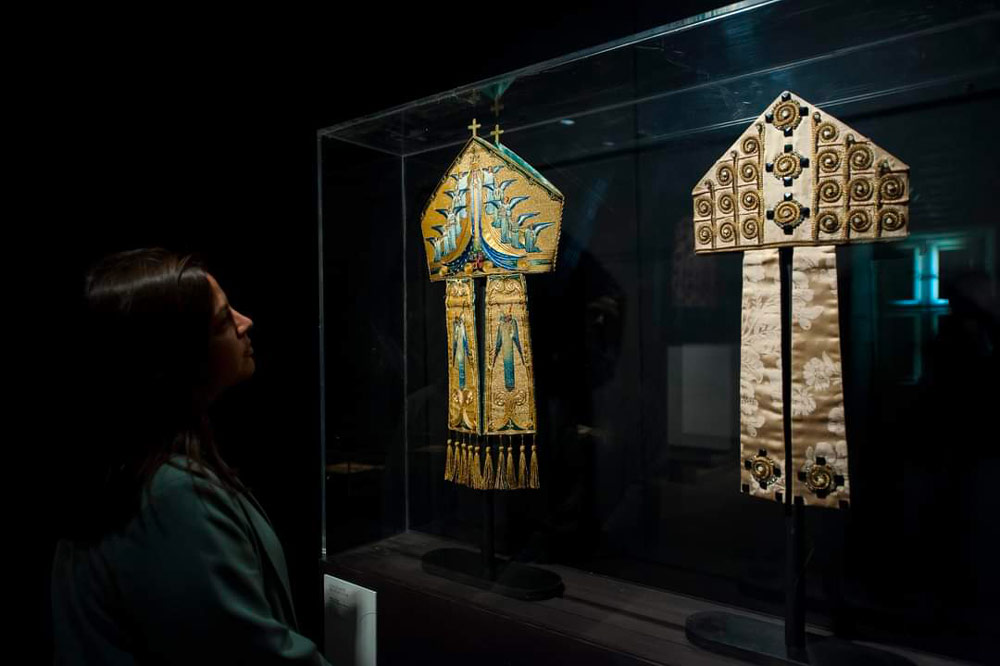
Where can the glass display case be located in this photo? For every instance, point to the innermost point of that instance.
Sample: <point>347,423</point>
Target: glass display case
<point>636,340</point>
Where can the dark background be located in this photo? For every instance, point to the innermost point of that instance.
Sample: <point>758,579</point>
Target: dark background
<point>196,131</point>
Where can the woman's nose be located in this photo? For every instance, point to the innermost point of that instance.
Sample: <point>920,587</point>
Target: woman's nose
<point>243,322</point>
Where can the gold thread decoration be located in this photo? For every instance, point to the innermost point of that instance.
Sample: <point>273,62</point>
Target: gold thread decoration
<point>522,471</point>
<point>449,456</point>
<point>501,480</point>
<point>533,481</point>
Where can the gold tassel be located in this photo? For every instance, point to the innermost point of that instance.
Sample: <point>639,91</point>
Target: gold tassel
<point>511,473</point>
<point>533,481</point>
<point>448,471</point>
<point>466,473</point>
<point>477,478</point>
<point>522,473</point>
<point>460,476</point>
<point>501,482</point>
<point>488,469</point>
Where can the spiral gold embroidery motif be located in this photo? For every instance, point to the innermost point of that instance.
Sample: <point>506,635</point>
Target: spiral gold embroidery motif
<point>724,174</point>
<point>704,207</point>
<point>750,145</point>
<point>829,222</point>
<point>750,228</point>
<point>827,132</point>
<point>788,214</point>
<point>891,188</point>
<point>829,191</point>
<point>726,204</point>
<point>860,221</point>
<point>750,200</point>
<point>829,160</point>
<point>704,234</point>
<point>891,220</point>
<point>861,157</point>
<point>786,115</point>
<point>727,231</point>
<point>861,189</point>
<point>762,470</point>
<point>788,165</point>
<point>748,172</point>
<point>820,478</point>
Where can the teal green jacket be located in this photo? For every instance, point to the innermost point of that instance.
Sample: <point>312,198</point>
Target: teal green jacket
<point>197,577</point>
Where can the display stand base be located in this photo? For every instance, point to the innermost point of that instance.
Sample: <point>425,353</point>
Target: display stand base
<point>761,642</point>
<point>518,581</point>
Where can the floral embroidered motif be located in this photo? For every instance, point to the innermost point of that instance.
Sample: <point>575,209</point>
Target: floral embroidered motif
<point>803,403</point>
<point>821,373</point>
<point>817,382</point>
<point>762,448</point>
<point>835,421</point>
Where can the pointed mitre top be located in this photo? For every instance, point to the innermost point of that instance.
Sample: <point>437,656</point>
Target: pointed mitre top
<point>799,176</point>
<point>491,213</point>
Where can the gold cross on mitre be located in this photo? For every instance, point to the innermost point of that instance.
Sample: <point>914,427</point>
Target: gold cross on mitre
<point>496,134</point>
<point>474,127</point>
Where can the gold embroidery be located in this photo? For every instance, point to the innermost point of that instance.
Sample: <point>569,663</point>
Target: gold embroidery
<point>761,427</point>
<point>463,355</point>
<point>509,379</point>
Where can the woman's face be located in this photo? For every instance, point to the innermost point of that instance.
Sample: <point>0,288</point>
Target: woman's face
<point>230,351</point>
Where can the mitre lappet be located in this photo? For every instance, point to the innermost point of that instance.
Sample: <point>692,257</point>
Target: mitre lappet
<point>796,177</point>
<point>492,216</point>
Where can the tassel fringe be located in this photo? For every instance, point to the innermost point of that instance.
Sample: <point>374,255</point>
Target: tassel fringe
<point>472,465</point>
<point>448,472</point>
<point>522,470</point>
<point>477,477</point>
<point>501,480</point>
<point>488,469</point>
<point>533,481</point>
<point>511,472</point>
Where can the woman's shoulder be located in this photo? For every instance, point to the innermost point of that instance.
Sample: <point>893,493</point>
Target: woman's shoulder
<point>181,476</point>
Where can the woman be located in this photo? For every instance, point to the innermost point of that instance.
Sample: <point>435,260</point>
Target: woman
<point>166,557</point>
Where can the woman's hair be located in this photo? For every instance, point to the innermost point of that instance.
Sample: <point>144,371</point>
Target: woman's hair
<point>144,379</point>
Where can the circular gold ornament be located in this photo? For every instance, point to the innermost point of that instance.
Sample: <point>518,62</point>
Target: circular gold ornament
<point>787,165</point>
<point>727,231</point>
<point>891,188</point>
<point>786,115</point>
<point>891,220</point>
<point>762,470</point>
<point>703,207</point>
<point>829,191</point>
<point>860,221</point>
<point>748,172</point>
<point>861,157</point>
<point>829,222</point>
<point>827,132</point>
<point>724,174</point>
<point>829,160</point>
<point>750,228</point>
<point>820,478</point>
<point>749,200</point>
<point>788,214</point>
<point>750,145</point>
<point>704,234</point>
<point>861,189</point>
<point>726,204</point>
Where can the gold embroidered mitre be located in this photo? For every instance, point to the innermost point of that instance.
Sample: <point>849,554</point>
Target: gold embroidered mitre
<point>492,213</point>
<point>798,176</point>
